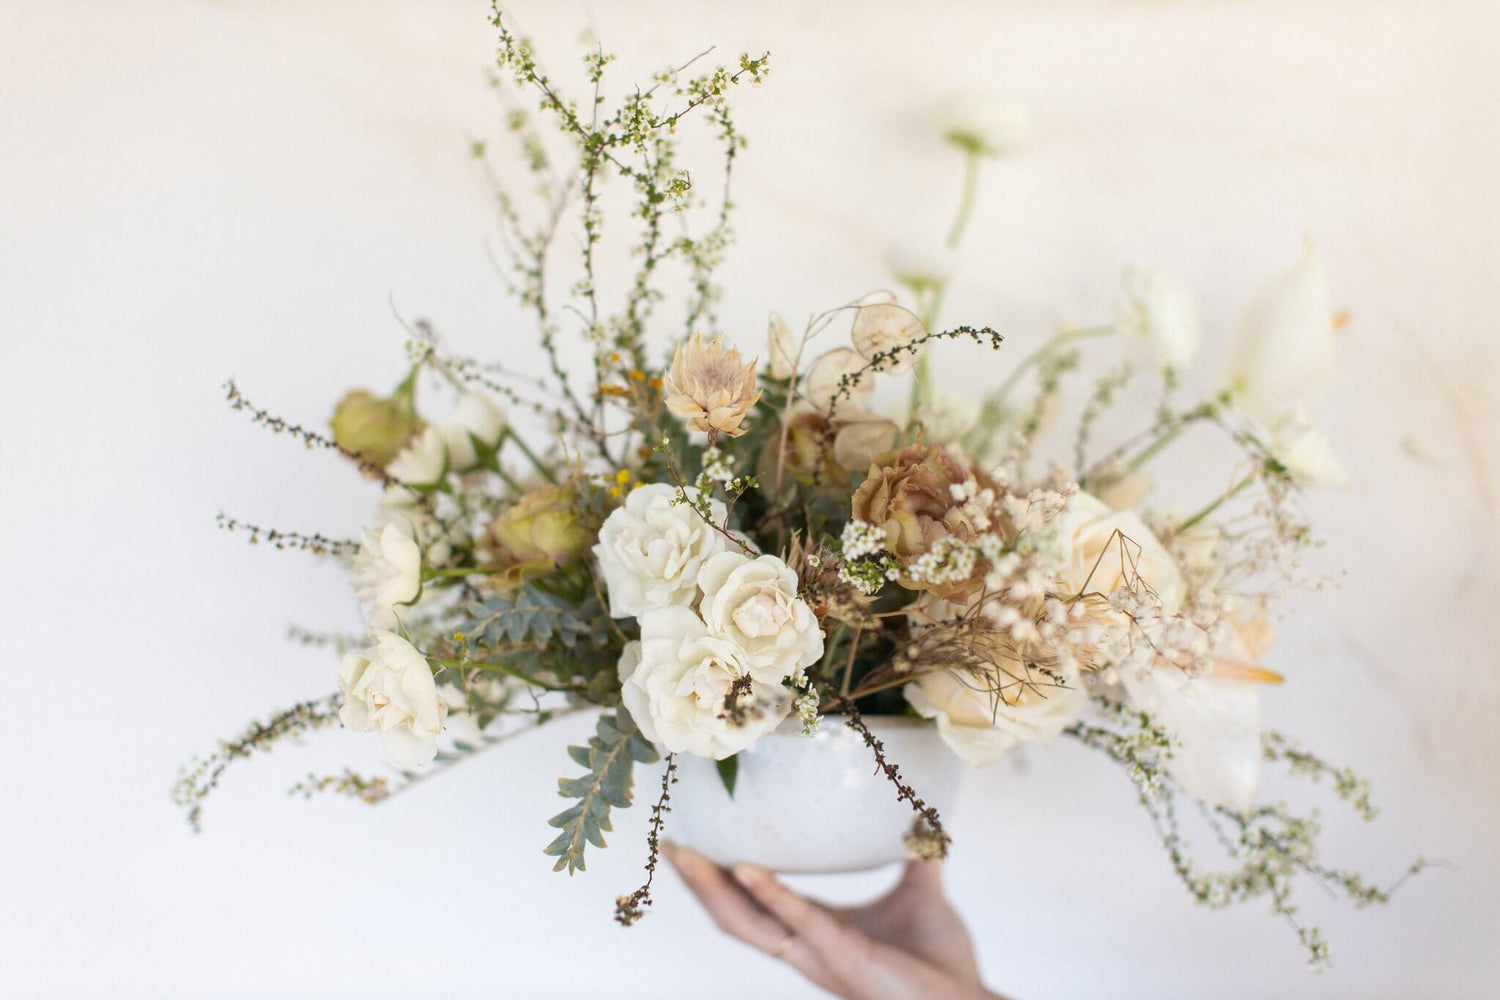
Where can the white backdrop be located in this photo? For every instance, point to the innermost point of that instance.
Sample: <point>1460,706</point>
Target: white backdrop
<point>193,190</point>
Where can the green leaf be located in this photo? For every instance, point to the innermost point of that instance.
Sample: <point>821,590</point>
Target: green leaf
<point>610,757</point>
<point>729,770</point>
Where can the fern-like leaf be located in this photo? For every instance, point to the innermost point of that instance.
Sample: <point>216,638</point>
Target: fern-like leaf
<point>611,755</point>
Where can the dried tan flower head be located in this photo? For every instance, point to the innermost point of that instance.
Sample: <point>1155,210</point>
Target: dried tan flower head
<point>709,387</point>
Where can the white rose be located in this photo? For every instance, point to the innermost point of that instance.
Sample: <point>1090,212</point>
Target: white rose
<point>1158,307</point>
<point>1282,351</point>
<point>981,726</point>
<point>388,688</point>
<point>388,567</point>
<point>423,462</point>
<point>1112,549</point>
<point>650,550</point>
<point>677,691</point>
<point>475,419</point>
<point>754,603</point>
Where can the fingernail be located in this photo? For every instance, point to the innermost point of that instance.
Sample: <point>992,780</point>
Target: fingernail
<point>749,875</point>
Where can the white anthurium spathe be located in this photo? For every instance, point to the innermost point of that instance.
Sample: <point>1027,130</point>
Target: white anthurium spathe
<point>1282,354</point>
<point>473,431</point>
<point>423,463</point>
<point>979,726</point>
<point>754,603</point>
<point>1215,722</point>
<point>650,550</point>
<point>677,688</point>
<point>1305,452</point>
<point>983,123</point>
<point>884,332</point>
<point>1158,307</point>
<point>821,383</point>
<point>388,566</point>
<point>781,348</point>
<point>388,688</point>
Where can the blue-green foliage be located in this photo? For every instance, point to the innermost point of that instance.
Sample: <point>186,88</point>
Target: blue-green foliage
<point>611,755</point>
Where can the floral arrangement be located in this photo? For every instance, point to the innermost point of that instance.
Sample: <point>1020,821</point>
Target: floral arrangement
<point>705,547</point>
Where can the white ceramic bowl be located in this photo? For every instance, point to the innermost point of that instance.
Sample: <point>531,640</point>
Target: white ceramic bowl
<point>814,803</point>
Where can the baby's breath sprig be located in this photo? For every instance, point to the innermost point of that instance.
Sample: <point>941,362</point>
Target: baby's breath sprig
<point>317,544</point>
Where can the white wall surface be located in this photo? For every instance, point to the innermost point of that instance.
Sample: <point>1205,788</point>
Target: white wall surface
<point>193,190</point>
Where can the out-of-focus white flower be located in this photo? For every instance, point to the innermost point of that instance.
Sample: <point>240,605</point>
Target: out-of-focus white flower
<point>781,348</point>
<point>473,431</point>
<point>388,567</point>
<point>922,262</point>
<point>946,417</point>
<point>388,688</point>
<point>1282,352</point>
<point>1216,723</point>
<point>709,387</point>
<point>754,603</point>
<point>884,332</point>
<point>1111,549</point>
<point>423,463</point>
<point>678,690</point>
<point>1306,453</point>
<point>650,550</point>
<point>822,381</point>
<point>1159,307</point>
<point>982,123</point>
<point>1127,491</point>
<point>980,725</point>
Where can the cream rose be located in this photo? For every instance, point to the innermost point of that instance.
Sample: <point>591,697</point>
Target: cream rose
<point>388,566</point>
<point>423,463</point>
<point>754,603</point>
<point>1110,549</point>
<point>388,688</point>
<point>980,726</point>
<point>678,689</point>
<point>650,551</point>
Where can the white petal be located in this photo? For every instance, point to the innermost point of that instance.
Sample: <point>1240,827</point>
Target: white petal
<point>1282,354</point>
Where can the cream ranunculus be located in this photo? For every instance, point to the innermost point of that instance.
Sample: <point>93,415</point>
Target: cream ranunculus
<point>1305,452</point>
<point>423,463</point>
<point>1112,549</point>
<point>388,566</point>
<point>679,693</point>
<point>1282,351</point>
<point>473,431</point>
<point>980,725</point>
<point>983,124</point>
<point>388,688</point>
<point>1158,307</point>
<point>754,603</point>
<point>650,550</point>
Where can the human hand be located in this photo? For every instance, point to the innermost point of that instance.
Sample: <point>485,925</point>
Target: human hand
<point>908,945</point>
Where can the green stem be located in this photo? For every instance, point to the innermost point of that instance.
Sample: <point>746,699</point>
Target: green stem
<point>433,574</point>
<point>499,667</point>
<point>1231,492</point>
<point>541,467</point>
<point>966,199</point>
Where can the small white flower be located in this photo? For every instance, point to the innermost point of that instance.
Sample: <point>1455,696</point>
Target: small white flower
<point>1282,353</point>
<point>388,688</point>
<point>1158,307</point>
<point>1306,453</point>
<point>650,550</point>
<point>422,463</point>
<point>388,566</point>
<point>679,689</point>
<point>475,420</point>
<point>754,603</point>
<point>982,123</point>
<point>980,726</point>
